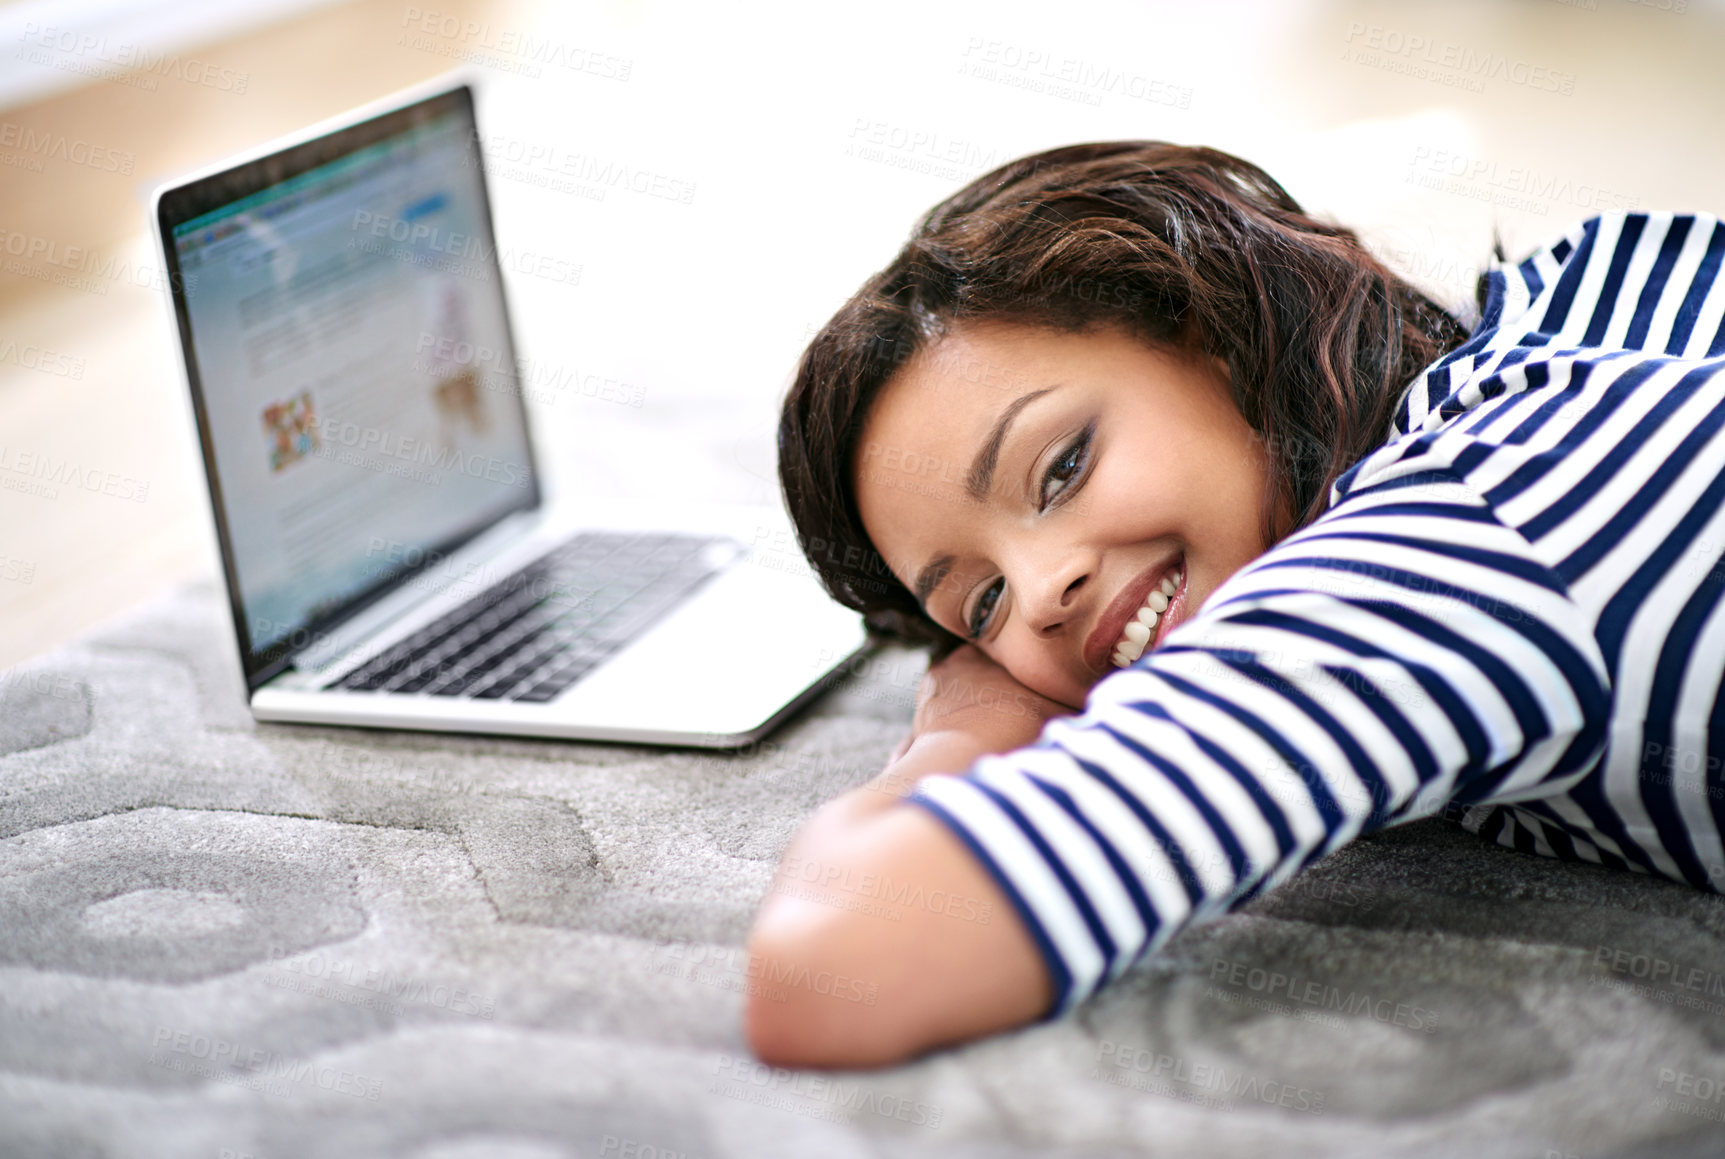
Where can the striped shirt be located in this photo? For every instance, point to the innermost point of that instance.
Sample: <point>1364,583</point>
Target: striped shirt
<point>1510,613</point>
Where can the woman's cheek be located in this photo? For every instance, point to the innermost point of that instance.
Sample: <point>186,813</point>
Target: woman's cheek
<point>1026,667</point>
<point>1053,681</point>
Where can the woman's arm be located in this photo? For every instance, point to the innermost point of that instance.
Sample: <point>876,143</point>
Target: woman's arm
<point>1406,652</point>
<point>883,936</point>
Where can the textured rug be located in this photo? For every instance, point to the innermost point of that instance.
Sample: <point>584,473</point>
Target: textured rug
<point>225,939</point>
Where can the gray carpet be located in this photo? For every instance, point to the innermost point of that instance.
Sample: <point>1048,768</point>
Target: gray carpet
<point>220,939</point>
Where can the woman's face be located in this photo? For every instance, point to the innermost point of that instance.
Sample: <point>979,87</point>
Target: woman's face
<point>1037,488</point>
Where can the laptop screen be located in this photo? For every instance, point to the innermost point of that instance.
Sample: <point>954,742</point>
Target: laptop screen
<point>351,365</point>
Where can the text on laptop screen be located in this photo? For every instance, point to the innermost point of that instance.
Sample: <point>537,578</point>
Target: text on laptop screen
<point>357,373</point>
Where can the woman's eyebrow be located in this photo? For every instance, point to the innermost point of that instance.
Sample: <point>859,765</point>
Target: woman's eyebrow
<point>931,574</point>
<point>978,484</point>
<point>981,478</point>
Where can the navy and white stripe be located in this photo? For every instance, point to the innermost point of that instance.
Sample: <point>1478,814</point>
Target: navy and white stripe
<point>1511,612</point>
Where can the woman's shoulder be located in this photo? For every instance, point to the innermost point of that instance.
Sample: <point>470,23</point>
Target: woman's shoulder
<point>1617,286</point>
<point>1565,329</point>
<point>1572,288</point>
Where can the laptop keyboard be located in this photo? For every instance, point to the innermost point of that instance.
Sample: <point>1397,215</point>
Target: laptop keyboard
<point>534,634</point>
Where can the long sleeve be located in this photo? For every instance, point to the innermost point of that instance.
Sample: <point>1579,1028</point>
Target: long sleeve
<point>1331,688</point>
<point>1515,605</point>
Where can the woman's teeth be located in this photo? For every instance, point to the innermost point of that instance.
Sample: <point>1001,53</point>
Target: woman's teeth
<point>1143,626</point>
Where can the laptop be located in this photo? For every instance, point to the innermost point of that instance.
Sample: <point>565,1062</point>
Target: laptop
<point>390,557</point>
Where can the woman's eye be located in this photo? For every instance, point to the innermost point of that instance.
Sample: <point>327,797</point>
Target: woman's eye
<point>983,612</point>
<point>1066,468</point>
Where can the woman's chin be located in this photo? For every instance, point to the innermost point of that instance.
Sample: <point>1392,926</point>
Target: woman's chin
<point>1063,692</point>
<point>1052,683</point>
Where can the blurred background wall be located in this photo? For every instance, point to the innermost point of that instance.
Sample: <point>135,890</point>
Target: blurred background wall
<point>722,176</point>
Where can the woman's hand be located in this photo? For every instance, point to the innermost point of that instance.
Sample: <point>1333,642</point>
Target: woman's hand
<point>967,707</point>
<point>968,692</point>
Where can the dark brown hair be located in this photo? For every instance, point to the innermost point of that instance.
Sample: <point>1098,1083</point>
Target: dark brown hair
<point>1187,248</point>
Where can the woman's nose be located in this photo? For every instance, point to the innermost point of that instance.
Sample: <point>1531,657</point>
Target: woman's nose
<point>1054,598</point>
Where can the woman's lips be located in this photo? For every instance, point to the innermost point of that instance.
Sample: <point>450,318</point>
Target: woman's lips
<point>1100,645</point>
<point>1176,611</point>
<point>1146,627</point>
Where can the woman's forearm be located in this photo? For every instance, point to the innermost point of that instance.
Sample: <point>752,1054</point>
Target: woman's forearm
<point>933,974</point>
<point>947,750</point>
<point>930,973</point>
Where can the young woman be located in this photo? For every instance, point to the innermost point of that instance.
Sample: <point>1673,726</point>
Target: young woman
<point>1122,430</point>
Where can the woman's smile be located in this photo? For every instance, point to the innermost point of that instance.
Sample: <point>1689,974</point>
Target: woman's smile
<point>1138,618</point>
<point>1088,492</point>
